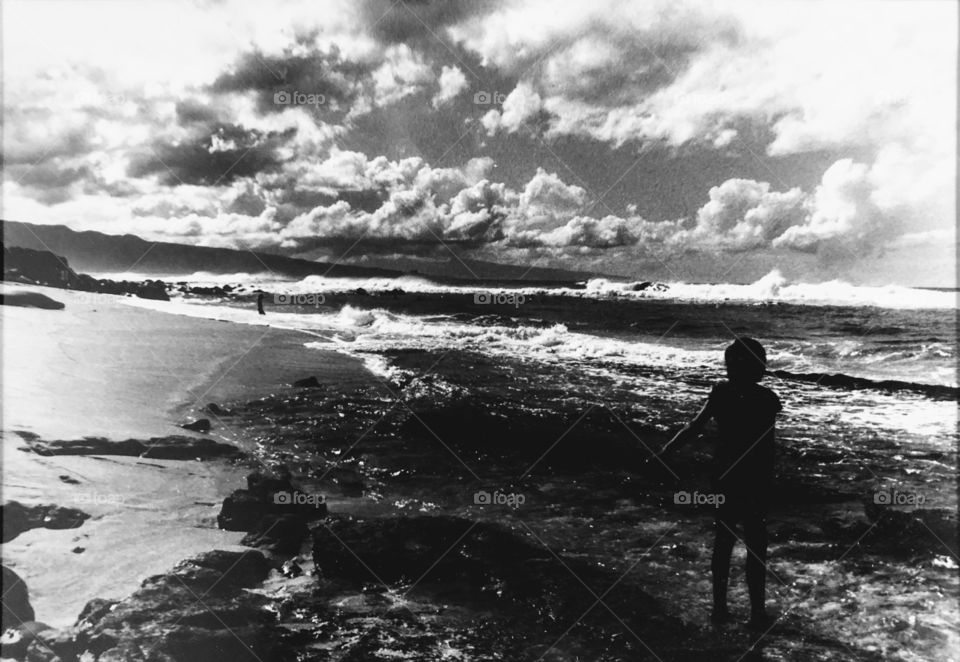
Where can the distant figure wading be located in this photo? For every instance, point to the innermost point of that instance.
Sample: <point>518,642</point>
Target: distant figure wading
<point>260,304</point>
<point>743,468</point>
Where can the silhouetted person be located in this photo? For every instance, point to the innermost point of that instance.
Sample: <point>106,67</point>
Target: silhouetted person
<point>260,304</point>
<point>746,416</point>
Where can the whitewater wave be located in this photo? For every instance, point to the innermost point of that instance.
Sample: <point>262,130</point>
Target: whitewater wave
<point>772,288</point>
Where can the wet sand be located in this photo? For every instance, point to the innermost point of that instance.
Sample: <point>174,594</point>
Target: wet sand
<point>103,368</point>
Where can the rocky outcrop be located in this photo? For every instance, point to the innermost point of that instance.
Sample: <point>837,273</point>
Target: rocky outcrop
<point>200,425</point>
<point>199,611</point>
<point>30,300</point>
<point>18,518</point>
<point>278,534</point>
<point>16,600</point>
<point>260,508</point>
<point>161,448</point>
<point>25,265</point>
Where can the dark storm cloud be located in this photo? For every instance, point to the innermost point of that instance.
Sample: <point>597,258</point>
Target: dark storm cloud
<point>190,111</point>
<point>316,73</point>
<point>51,181</point>
<point>229,153</point>
<point>412,20</point>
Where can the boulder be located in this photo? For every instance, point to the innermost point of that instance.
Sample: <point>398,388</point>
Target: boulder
<point>278,534</point>
<point>266,494</point>
<point>242,511</point>
<point>165,620</point>
<point>309,382</point>
<point>16,600</point>
<point>18,518</point>
<point>16,640</point>
<point>174,447</point>
<point>200,425</point>
<point>30,300</point>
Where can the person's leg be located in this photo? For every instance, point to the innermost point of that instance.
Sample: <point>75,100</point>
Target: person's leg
<point>724,538</point>
<point>755,538</point>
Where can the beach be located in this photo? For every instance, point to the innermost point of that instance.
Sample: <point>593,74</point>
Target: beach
<point>100,368</point>
<point>483,472</point>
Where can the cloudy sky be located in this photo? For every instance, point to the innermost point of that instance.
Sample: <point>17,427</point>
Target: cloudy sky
<point>708,141</point>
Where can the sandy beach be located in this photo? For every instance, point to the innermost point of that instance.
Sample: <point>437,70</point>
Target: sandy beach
<point>101,368</point>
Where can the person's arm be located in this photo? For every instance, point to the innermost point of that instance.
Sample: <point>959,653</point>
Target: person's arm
<point>691,430</point>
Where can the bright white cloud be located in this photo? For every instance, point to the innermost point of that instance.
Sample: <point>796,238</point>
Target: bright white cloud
<point>452,82</point>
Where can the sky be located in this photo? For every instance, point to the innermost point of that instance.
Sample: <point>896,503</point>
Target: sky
<point>697,141</point>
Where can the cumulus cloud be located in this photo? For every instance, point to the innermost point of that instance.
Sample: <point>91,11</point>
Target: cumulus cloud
<point>743,214</point>
<point>452,82</point>
<point>193,144</point>
<point>845,214</point>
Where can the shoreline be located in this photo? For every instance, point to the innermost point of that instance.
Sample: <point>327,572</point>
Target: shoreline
<point>103,368</point>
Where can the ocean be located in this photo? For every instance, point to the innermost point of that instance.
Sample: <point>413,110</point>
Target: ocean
<point>556,395</point>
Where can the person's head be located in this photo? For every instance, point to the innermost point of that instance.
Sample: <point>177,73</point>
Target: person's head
<point>746,360</point>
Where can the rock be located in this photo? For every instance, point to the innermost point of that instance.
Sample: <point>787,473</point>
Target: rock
<point>922,531</point>
<point>280,481</point>
<point>16,600</point>
<point>309,382</point>
<point>200,425</point>
<point>16,640</point>
<point>164,620</point>
<point>18,518</point>
<point>216,410</point>
<point>70,480</point>
<point>30,300</point>
<point>278,534</point>
<point>483,566</point>
<point>236,569</point>
<point>93,611</point>
<point>242,511</point>
<point>26,265</point>
<point>152,289</point>
<point>174,447</point>
<point>78,550</point>
<point>54,644</point>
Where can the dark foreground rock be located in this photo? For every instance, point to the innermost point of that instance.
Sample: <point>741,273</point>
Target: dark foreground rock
<point>425,587</point>
<point>199,611</point>
<point>278,534</point>
<point>30,300</point>
<point>174,447</point>
<point>16,600</point>
<point>18,518</point>
<point>921,531</point>
<point>261,508</point>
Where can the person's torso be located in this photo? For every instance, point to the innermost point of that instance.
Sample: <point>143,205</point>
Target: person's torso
<point>746,418</point>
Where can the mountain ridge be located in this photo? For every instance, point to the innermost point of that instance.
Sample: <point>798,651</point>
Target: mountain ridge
<point>93,251</point>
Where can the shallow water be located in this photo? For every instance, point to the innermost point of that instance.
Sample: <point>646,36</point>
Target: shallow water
<point>560,401</point>
<point>472,422</point>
